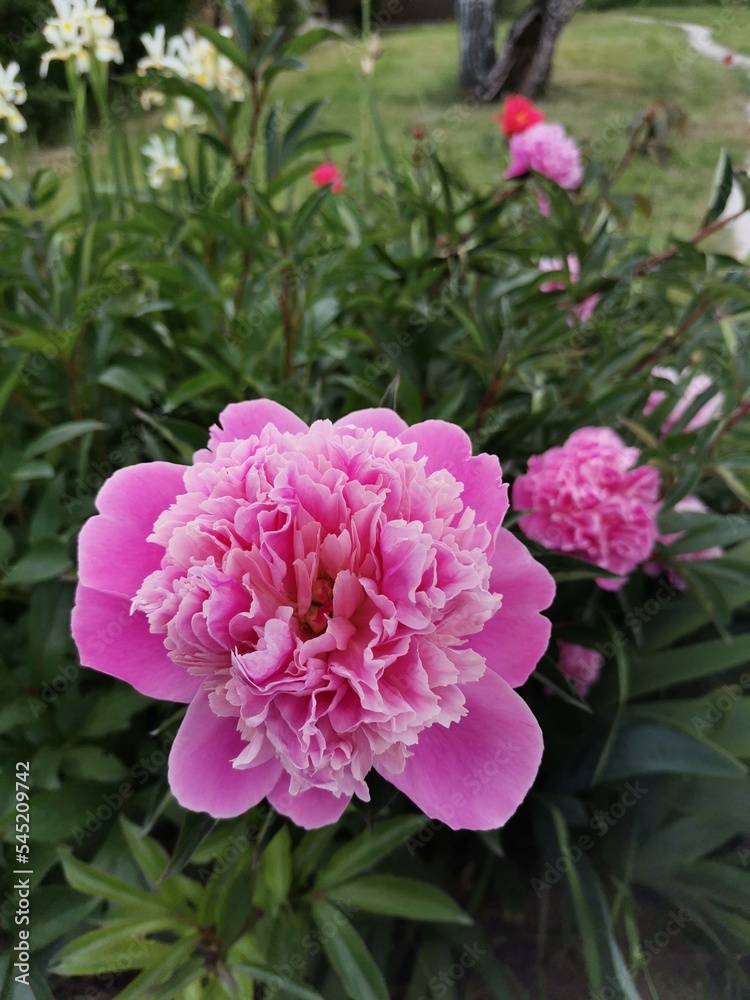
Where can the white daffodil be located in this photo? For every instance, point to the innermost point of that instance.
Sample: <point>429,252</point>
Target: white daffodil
<point>193,58</point>
<point>6,172</point>
<point>11,89</point>
<point>165,165</point>
<point>152,99</point>
<point>80,30</point>
<point>182,118</point>
<point>11,114</point>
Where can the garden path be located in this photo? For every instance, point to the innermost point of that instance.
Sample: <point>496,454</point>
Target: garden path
<point>702,41</point>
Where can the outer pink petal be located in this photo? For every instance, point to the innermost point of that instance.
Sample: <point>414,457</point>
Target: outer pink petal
<point>201,775</point>
<point>448,447</point>
<point>515,638</point>
<point>119,644</point>
<point>311,809</point>
<point>138,494</point>
<point>239,421</point>
<point>114,556</point>
<point>475,774</point>
<point>378,418</point>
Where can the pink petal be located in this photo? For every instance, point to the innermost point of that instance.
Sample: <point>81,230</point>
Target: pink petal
<point>201,775</point>
<point>311,809</point>
<point>240,421</point>
<point>114,556</point>
<point>119,644</point>
<point>475,774</point>
<point>378,419</point>
<point>515,638</point>
<point>138,494</point>
<point>446,446</point>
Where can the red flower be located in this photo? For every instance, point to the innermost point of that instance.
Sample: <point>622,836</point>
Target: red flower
<point>727,59</point>
<point>518,114</point>
<point>328,173</point>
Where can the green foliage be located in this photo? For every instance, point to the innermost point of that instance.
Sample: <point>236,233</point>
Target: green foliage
<point>129,318</point>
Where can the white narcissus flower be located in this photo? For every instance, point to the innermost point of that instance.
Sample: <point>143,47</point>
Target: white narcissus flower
<point>192,58</point>
<point>12,89</point>
<point>80,29</point>
<point>165,164</point>
<point>6,172</point>
<point>152,99</point>
<point>182,118</point>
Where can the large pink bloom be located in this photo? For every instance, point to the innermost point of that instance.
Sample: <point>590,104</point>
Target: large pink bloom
<point>588,499</point>
<point>688,505</point>
<point>693,385</point>
<point>546,149</point>
<point>328,599</point>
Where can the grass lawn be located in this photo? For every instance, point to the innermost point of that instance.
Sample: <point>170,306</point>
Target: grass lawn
<point>606,70</point>
<point>729,24</point>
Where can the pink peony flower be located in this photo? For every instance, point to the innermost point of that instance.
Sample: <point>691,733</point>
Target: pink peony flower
<point>693,385</point>
<point>583,310</point>
<point>588,499</point>
<point>547,150</point>
<point>517,114</point>
<point>328,599</point>
<point>580,665</point>
<point>691,505</point>
<point>328,173</point>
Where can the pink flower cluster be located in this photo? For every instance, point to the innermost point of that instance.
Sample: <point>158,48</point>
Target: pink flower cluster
<point>590,499</point>
<point>688,505</point>
<point>329,599</point>
<point>692,385</point>
<point>328,173</point>
<point>582,310</point>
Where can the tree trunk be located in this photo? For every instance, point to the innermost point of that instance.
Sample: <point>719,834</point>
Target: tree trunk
<point>476,19</point>
<point>525,64</point>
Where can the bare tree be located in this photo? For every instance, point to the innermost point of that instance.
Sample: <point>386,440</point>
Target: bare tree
<point>525,64</point>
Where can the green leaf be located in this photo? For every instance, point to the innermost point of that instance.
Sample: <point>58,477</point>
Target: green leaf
<point>195,828</point>
<point>226,46</point>
<point>46,560</point>
<point>120,944</point>
<point>348,954</point>
<point>92,882</point>
<point>287,986</point>
<point>172,960</point>
<point>676,666</point>
<point>276,865</point>
<point>92,763</point>
<point>309,39</point>
<point>126,382</point>
<point>368,848</point>
<point>642,748</point>
<point>62,434</point>
<point>394,896</point>
<point>721,188</point>
<point>151,857</point>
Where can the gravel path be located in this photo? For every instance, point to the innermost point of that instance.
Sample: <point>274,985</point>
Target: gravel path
<point>702,41</point>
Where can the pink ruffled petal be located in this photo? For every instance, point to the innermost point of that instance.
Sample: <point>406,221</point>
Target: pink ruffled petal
<point>311,809</point>
<point>119,644</point>
<point>446,446</point>
<point>114,556</point>
<point>201,775</point>
<point>475,774</point>
<point>515,638</point>
<point>378,418</point>
<point>240,421</point>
